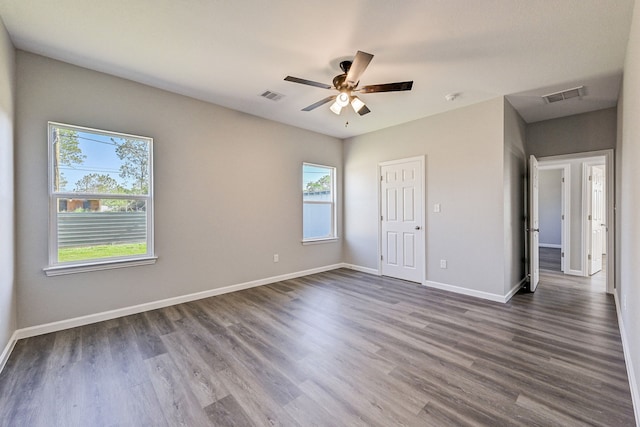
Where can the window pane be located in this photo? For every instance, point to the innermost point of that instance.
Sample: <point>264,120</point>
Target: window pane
<point>101,228</point>
<point>99,162</point>
<point>316,219</point>
<point>318,200</point>
<point>316,183</point>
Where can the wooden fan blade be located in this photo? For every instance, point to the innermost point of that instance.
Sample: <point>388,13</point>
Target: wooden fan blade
<point>364,110</point>
<point>307,82</point>
<point>319,103</point>
<point>388,87</point>
<point>360,63</point>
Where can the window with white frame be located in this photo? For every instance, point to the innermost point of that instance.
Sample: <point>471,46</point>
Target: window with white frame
<point>100,199</point>
<point>319,202</point>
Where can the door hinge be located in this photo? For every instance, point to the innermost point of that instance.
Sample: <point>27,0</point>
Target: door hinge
<point>563,217</point>
<point>562,179</point>
<point>381,258</point>
<point>381,178</point>
<point>589,177</point>
<point>381,218</point>
<point>589,217</point>
<point>561,254</point>
<point>589,257</point>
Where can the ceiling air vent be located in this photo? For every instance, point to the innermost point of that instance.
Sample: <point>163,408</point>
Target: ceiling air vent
<point>575,92</point>
<point>274,96</point>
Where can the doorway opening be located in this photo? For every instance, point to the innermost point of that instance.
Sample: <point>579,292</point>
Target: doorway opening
<point>554,216</point>
<point>575,238</point>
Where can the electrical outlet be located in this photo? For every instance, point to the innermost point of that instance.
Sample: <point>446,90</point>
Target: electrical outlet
<point>276,257</point>
<point>443,263</point>
<point>436,207</point>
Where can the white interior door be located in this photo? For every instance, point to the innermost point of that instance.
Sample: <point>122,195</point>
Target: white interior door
<point>596,219</point>
<point>534,224</point>
<point>402,234</point>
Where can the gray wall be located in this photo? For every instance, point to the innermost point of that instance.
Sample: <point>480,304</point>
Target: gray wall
<point>573,134</point>
<point>628,205</point>
<point>7,242</point>
<point>514,203</point>
<point>227,191</point>
<point>550,192</point>
<point>464,173</point>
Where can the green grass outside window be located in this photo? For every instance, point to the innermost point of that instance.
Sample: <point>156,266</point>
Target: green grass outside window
<point>101,251</point>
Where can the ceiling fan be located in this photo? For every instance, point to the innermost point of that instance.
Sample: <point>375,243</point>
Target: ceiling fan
<point>347,85</point>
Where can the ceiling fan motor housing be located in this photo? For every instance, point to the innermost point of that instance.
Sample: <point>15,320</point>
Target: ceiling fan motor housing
<point>340,82</point>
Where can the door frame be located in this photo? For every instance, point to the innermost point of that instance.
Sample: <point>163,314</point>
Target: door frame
<point>610,203</point>
<point>422,160</point>
<point>565,202</point>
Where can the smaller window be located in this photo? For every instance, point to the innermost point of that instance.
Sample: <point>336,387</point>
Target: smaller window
<point>319,202</point>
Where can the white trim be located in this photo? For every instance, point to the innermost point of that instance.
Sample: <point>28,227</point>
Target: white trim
<point>565,260</point>
<point>112,314</point>
<point>474,293</point>
<point>60,270</point>
<point>367,270</point>
<point>514,289</point>
<point>4,357</point>
<point>549,245</point>
<point>586,207</point>
<point>633,385</point>
<point>320,241</point>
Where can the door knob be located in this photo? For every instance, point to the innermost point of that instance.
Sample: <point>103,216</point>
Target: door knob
<point>533,230</point>
<point>417,227</point>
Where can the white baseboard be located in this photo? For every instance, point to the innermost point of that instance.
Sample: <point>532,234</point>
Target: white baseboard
<point>633,385</point>
<point>4,356</point>
<point>549,245</point>
<point>362,269</point>
<point>140,308</point>
<point>514,289</point>
<point>471,292</point>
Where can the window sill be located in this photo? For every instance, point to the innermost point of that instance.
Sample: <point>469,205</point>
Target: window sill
<point>60,270</point>
<point>320,241</point>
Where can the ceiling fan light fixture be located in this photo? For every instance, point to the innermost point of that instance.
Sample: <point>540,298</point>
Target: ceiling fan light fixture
<point>357,104</point>
<point>336,108</point>
<point>342,99</point>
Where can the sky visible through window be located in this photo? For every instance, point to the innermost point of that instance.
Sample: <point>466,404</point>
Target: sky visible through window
<point>312,173</point>
<point>101,158</point>
<point>95,155</point>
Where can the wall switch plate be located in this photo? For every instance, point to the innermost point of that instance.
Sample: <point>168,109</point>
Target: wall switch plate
<point>443,263</point>
<point>276,257</point>
<point>436,207</point>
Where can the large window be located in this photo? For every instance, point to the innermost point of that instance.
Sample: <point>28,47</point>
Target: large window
<point>100,199</point>
<point>318,200</point>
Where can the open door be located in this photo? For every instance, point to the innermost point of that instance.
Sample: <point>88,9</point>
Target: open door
<point>596,219</point>
<point>534,224</point>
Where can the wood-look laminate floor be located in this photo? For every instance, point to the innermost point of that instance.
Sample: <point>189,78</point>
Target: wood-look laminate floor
<point>332,349</point>
<point>550,259</point>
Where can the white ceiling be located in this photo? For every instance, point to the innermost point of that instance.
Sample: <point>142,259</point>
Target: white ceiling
<point>229,52</point>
